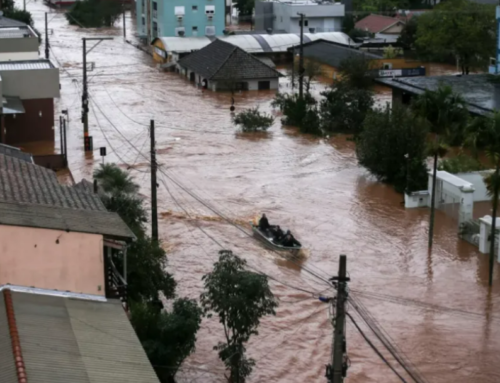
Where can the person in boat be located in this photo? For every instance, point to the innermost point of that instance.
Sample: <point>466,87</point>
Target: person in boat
<point>264,223</point>
<point>278,234</point>
<point>288,240</point>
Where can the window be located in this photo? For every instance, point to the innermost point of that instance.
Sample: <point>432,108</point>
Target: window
<point>387,66</point>
<point>210,10</point>
<point>194,8</point>
<point>143,21</point>
<point>155,29</point>
<point>155,5</point>
<point>195,29</point>
<point>264,85</point>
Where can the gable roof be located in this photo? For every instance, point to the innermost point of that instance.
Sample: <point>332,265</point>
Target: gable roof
<point>31,196</point>
<point>12,151</point>
<point>69,340</point>
<point>221,61</point>
<point>5,22</point>
<point>377,23</point>
<point>332,54</point>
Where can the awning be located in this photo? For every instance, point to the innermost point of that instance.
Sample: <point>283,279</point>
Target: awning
<point>12,105</point>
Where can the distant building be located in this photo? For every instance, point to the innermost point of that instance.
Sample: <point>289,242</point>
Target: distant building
<point>481,95</point>
<point>28,89</point>
<point>223,66</point>
<point>382,27</point>
<point>18,41</point>
<point>157,18</point>
<point>283,16</point>
<point>331,55</point>
<point>170,49</point>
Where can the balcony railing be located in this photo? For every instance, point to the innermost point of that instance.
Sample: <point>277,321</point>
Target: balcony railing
<point>116,286</point>
<point>155,13</point>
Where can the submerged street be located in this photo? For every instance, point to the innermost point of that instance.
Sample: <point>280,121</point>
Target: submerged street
<point>435,307</point>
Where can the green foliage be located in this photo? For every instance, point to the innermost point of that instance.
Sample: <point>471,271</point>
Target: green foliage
<point>392,147</point>
<point>167,337</point>
<point>245,7</point>
<point>460,164</point>
<point>295,110</point>
<point>19,15</point>
<point>312,71</point>
<point>114,180</point>
<point>446,111</point>
<point>357,71</point>
<point>391,53</point>
<point>462,29</point>
<point>251,120</point>
<point>408,36</point>
<point>95,13</point>
<point>348,23</point>
<point>380,6</point>
<point>359,34</point>
<point>240,298</point>
<point>344,108</point>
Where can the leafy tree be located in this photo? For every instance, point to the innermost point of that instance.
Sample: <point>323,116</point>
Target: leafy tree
<point>95,13</point>
<point>245,7</point>
<point>19,15</point>
<point>447,114</point>
<point>344,108</point>
<point>167,337</point>
<point>392,147</point>
<point>391,53</point>
<point>294,109</point>
<point>408,35</point>
<point>461,163</point>
<point>357,71</point>
<point>461,28</point>
<point>312,71</point>
<point>251,120</point>
<point>240,298</point>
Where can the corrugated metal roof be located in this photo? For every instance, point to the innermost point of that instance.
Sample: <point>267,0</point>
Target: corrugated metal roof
<point>251,44</point>
<point>26,65</point>
<point>7,366</point>
<point>66,340</point>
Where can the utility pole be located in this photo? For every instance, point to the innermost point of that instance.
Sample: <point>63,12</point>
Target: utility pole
<point>124,26</point>
<point>293,67</point>
<point>87,140</point>
<point>47,46</point>
<point>154,203</point>
<point>301,57</point>
<point>336,371</point>
<point>24,5</point>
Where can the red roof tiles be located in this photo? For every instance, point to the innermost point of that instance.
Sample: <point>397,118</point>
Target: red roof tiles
<point>376,23</point>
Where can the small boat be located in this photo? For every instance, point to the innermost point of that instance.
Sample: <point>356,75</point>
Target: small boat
<point>268,240</point>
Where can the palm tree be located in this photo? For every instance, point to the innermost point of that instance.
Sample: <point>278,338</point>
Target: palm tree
<point>447,114</point>
<point>114,180</point>
<point>491,137</point>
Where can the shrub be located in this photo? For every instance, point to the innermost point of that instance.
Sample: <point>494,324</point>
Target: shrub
<point>460,164</point>
<point>94,13</point>
<point>251,120</point>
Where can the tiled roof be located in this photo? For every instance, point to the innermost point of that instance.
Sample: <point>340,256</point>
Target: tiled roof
<point>223,61</point>
<point>333,54</point>
<point>66,340</point>
<point>12,151</point>
<point>29,183</point>
<point>376,23</point>
<point>9,23</point>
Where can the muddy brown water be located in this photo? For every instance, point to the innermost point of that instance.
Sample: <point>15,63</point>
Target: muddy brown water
<point>313,186</point>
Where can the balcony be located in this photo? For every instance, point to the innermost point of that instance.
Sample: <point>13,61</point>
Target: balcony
<point>155,14</point>
<point>115,284</point>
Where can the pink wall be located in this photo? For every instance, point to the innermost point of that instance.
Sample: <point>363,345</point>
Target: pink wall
<point>31,257</point>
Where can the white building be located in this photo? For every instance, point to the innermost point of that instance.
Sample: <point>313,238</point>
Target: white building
<point>283,16</point>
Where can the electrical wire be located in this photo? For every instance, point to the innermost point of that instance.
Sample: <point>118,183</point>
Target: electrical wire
<point>374,348</point>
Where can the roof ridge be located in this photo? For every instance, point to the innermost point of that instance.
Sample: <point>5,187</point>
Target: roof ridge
<point>14,337</point>
<point>234,49</point>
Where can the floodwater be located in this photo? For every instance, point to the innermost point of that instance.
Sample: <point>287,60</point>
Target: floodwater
<point>313,186</point>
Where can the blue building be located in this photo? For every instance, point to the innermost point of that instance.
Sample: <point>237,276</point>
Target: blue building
<point>190,18</point>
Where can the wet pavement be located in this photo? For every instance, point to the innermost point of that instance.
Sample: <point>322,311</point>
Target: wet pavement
<point>313,186</point>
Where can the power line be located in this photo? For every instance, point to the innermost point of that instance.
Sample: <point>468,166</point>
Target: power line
<point>374,348</point>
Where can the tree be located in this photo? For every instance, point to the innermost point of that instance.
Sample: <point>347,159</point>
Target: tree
<point>296,110</point>
<point>167,337</point>
<point>251,120</point>
<point>392,146</point>
<point>391,53</point>
<point>245,7</point>
<point>447,115</point>
<point>95,13</point>
<point>462,29</point>
<point>19,15</point>
<point>408,35</point>
<point>357,71</point>
<point>344,108</point>
<point>240,298</point>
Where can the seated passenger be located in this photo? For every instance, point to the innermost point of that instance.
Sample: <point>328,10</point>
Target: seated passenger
<point>288,240</point>
<point>278,234</point>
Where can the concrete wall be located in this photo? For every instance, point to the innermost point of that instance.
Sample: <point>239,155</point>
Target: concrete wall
<point>19,56</point>
<point>264,15</point>
<point>476,179</point>
<point>32,257</point>
<point>19,44</point>
<point>325,18</point>
<point>36,124</point>
<point>31,84</point>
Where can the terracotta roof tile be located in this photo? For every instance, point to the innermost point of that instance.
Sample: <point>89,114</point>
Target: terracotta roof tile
<point>376,23</point>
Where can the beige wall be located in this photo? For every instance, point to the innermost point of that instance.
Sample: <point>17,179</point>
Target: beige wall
<point>31,257</point>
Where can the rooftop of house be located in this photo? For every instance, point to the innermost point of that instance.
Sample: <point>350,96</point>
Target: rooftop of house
<point>17,32</point>
<point>30,195</point>
<point>377,23</point>
<point>67,339</point>
<point>6,22</point>
<point>12,151</point>
<point>480,93</point>
<point>26,65</point>
<point>223,61</point>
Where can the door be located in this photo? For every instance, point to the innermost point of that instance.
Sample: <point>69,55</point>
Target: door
<point>264,85</point>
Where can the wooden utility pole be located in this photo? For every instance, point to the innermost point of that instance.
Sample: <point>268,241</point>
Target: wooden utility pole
<point>494,223</point>
<point>47,46</point>
<point>154,202</point>
<point>336,372</point>
<point>124,26</point>
<point>301,57</point>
